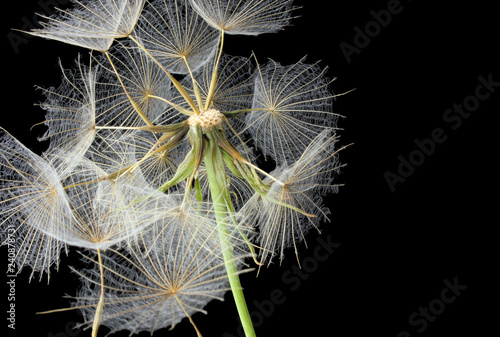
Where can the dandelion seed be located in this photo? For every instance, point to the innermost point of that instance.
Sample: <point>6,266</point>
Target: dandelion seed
<point>234,85</point>
<point>71,110</point>
<point>245,17</point>
<point>176,35</point>
<point>131,75</point>
<point>32,205</point>
<point>92,24</point>
<point>106,211</point>
<point>291,106</point>
<point>171,273</point>
<point>293,205</point>
<point>151,168</point>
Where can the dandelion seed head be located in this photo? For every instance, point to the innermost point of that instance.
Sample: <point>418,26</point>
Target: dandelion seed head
<point>206,119</point>
<point>168,216</point>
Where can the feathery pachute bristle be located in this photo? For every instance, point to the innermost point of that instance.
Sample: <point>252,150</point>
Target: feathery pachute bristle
<point>155,169</point>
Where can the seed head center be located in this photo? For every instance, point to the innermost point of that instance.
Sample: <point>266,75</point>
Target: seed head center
<point>206,119</point>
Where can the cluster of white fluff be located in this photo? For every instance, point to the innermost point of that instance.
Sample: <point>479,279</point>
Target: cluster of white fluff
<point>126,175</point>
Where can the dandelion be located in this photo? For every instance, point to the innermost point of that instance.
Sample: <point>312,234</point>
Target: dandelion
<point>154,162</point>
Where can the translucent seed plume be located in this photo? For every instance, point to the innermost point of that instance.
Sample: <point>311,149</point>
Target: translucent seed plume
<point>293,205</point>
<point>291,106</point>
<point>248,17</point>
<point>92,24</point>
<point>33,205</point>
<point>168,274</point>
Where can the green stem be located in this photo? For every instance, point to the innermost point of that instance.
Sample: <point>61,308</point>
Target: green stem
<point>217,181</point>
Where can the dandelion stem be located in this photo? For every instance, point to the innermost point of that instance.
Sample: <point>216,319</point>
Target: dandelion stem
<point>217,181</point>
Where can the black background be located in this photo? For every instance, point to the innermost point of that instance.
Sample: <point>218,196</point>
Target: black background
<point>396,248</point>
